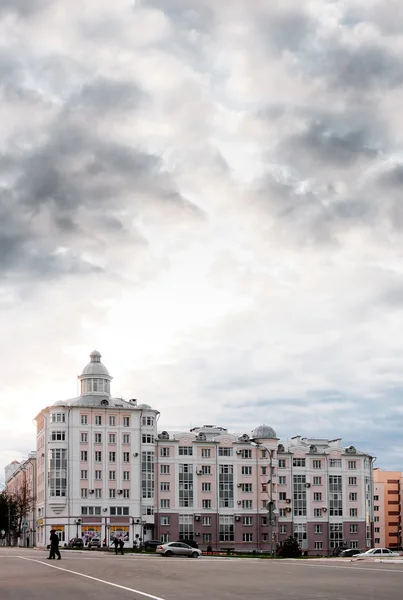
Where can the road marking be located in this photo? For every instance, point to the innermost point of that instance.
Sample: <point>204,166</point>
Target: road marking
<point>348,568</point>
<point>121,587</point>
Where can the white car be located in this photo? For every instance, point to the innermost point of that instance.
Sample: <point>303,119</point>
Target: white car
<point>378,553</point>
<point>178,549</point>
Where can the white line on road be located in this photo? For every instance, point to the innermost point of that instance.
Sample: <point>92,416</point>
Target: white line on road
<point>121,587</point>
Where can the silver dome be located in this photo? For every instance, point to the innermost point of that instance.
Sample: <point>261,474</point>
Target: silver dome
<point>144,406</point>
<point>95,367</point>
<point>264,432</point>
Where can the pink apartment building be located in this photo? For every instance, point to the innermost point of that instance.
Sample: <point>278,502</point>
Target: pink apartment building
<point>103,470</point>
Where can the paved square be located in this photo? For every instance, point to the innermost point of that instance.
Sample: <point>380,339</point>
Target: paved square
<point>27,574</point>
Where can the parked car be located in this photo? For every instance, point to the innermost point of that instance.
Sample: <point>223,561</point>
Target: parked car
<point>178,549</point>
<point>191,543</point>
<point>350,552</point>
<point>76,543</point>
<point>95,542</point>
<point>378,553</point>
<point>151,544</point>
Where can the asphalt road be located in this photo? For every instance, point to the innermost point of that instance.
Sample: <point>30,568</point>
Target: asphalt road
<point>27,575</point>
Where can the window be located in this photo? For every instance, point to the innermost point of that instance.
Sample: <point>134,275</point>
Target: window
<point>317,480</point>
<point>318,545</point>
<point>165,521</point>
<point>98,493</point>
<point>247,537</point>
<point>298,462</point>
<point>246,453</point>
<point>112,493</point>
<point>165,503</point>
<point>98,456</point>
<point>112,420</point>
<point>353,512</point>
<point>377,540</point>
<point>263,521</point>
<point>58,418</point>
<point>246,470</point>
<point>186,531</point>
<point>299,494</point>
<point>335,496</point>
<point>147,474</point>
<point>126,475</point>
<point>84,419</point>
<point>206,521</point>
<point>317,464</point>
<point>283,529</point>
<point>185,484</point>
<point>353,496</point>
<point>282,496</point>
<point>264,537</point>
<point>84,492</point>
<point>164,469</point>
<point>352,464</point>
<point>335,463</point>
<point>247,521</point>
<point>318,529</point>
<point>376,508</point>
<point>112,438</point>
<point>126,438</point>
<point>84,474</point>
<point>264,487</point>
<point>282,512</point>
<point>126,493</point>
<point>84,438</point>
<point>112,456</point>
<point>164,486</point>
<point>225,451</point>
<point>246,487</point>
<point>206,503</point>
<point>98,419</point>
<point>112,475</point>
<point>376,498</point>
<point>58,436</point>
<point>377,529</point>
<point>164,451</point>
<point>376,519</point>
<point>119,511</point>
<point>206,487</point>
<point>206,470</point>
<point>317,513</point>
<point>263,470</point>
<point>148,421</point>
<point>84,455</point>
<point>247,504</point>
<point>354,528</point>
<point>126,421</point>
<point>98,438</point>
<point>98,475</point>
<point>226,528</point>
<point>336,534</point>
<point>352,481</point>
<point>185,450</point>
<point>282,463</point>
<point>147,438</point>
<point>126,457</point>
<point>207,537</point>
<point>90,510</point>
<point>354,544</point>
<point>263,454</point>
<point>317,496</point>
<point>282,480</point>
<point>206,453</point>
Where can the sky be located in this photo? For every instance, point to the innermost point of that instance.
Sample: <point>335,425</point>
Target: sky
<point>210,194</point>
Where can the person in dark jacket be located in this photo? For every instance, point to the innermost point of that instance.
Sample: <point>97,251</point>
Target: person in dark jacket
<point>121,544</point>
<point>54,545</point>
<point>116,544</point>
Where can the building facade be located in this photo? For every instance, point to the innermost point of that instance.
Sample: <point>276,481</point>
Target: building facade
<point>103,470</point>
<point>388,508</point>
<point>21,482</point>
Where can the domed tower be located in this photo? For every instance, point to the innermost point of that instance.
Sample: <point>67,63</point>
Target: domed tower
<point>95,379</point>
<point>264,432</point>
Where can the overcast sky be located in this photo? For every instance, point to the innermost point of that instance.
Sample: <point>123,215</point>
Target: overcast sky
<point>211,197</point>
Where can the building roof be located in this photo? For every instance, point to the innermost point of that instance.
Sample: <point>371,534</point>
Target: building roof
<point>264,432</point>
<point>95,367</point>
<point>91,400</point>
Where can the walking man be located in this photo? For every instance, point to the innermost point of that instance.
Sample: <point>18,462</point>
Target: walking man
<point>116,544</point>
<point>54,545</point>
<point>121,545</point>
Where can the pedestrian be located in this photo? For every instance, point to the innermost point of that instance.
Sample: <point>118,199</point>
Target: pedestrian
<point>54,545</point>
<point>116,544</point>
<point>121,544</point>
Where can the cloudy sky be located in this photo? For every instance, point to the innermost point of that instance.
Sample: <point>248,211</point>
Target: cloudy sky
<point>210,194</point>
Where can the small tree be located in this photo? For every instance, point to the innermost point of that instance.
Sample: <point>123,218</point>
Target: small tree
<point>22,501</point>
<point>290,548</point>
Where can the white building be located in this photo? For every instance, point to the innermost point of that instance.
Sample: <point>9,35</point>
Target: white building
<point>95,464</point>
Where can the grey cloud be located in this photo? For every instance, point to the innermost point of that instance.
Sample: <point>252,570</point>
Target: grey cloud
<point>23,8</point>
<point>286,30</point>
<point>105,95</point>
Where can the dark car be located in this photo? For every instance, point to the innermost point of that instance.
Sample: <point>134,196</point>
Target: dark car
<point>76,543</point>
<point>151,544</point>
<point>350,552</point>
<point>191,543</point>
